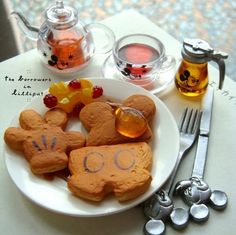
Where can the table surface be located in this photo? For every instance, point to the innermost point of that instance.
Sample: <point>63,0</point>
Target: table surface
<point>211,20</point>
<point>18,215</point>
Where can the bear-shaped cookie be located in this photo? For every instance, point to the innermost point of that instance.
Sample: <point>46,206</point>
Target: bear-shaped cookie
<point>99,119</point>
<point>122,169</point>
<point>43,140</point>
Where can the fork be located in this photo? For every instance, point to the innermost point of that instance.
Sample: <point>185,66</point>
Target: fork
<point>160,205</point>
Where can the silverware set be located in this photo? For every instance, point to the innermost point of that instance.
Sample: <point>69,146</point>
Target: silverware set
<point>195,192</point>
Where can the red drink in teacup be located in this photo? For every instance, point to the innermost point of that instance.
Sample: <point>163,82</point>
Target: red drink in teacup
<point>139,58</point>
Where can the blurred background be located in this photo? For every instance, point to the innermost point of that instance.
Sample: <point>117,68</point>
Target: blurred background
<point>211,20</point>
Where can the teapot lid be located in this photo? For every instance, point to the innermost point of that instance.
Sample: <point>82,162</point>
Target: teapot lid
<point>60,16</point>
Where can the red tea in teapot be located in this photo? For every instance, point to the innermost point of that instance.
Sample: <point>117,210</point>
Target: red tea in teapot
<point>64,43</point>
<point>67,51</point>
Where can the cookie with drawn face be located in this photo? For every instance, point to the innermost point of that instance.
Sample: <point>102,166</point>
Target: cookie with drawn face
<point>122,169</point>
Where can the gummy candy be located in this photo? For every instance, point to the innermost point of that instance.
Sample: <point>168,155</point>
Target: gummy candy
<point>71,94</point>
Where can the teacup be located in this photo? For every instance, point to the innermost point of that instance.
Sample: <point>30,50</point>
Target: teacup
<point>140,58</point>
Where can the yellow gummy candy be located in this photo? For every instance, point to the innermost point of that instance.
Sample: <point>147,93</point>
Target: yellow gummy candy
<point>59,89</point>
<point>85,83</point>
<point>68,98</point>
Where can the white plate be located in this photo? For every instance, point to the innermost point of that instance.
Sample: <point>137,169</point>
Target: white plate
<point>55,196</point>
<point>162,81</point>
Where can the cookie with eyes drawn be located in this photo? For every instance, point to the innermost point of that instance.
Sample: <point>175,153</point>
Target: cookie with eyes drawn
<point>99,119</point>
<point>122,169</point>
<point>43,140</point>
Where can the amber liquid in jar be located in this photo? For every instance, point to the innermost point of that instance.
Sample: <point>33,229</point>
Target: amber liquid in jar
<point>130,122</point>
<point>191,79</point>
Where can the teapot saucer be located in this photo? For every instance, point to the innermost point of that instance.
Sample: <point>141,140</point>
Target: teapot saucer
<point>162,81</point>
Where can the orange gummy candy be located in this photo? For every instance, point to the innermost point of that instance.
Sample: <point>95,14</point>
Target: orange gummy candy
<point>67,97</point>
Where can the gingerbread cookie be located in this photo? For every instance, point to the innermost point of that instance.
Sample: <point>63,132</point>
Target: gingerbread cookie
<point>43,140</point>
<point>98,118</point>
<point>122,169</point>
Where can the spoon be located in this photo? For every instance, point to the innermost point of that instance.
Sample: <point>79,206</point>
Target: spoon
<point>195,191</point>
<point>218,200</point>
<point>154,227</point>
<point>159,207</point>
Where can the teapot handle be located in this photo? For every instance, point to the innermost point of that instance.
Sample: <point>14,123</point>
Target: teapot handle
<point>102,36</point>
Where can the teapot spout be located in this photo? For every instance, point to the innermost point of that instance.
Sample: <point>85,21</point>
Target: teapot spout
<point>29,30</point>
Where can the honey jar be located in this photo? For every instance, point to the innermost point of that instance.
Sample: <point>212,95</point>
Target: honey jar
<point>192,78</point>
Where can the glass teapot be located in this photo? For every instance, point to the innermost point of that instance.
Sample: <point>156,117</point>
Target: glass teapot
<point>64,43</point>
<point>191,78</point>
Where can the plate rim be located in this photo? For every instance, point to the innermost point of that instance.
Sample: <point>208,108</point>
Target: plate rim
<point>134,202</point>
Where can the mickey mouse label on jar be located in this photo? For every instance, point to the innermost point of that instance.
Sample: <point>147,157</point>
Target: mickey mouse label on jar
<point>191,79</point>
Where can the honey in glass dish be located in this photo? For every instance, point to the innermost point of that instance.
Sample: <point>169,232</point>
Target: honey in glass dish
<point>130,122</point>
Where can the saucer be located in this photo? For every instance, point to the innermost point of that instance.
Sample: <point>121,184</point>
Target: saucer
<point>155,86</point>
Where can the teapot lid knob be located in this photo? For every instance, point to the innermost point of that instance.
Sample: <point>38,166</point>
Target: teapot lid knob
<point>60,16</point>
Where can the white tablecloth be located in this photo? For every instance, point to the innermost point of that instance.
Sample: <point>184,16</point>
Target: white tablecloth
<point>18,215</point>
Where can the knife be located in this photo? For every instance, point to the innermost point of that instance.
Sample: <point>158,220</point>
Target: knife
<point>204,132</point>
